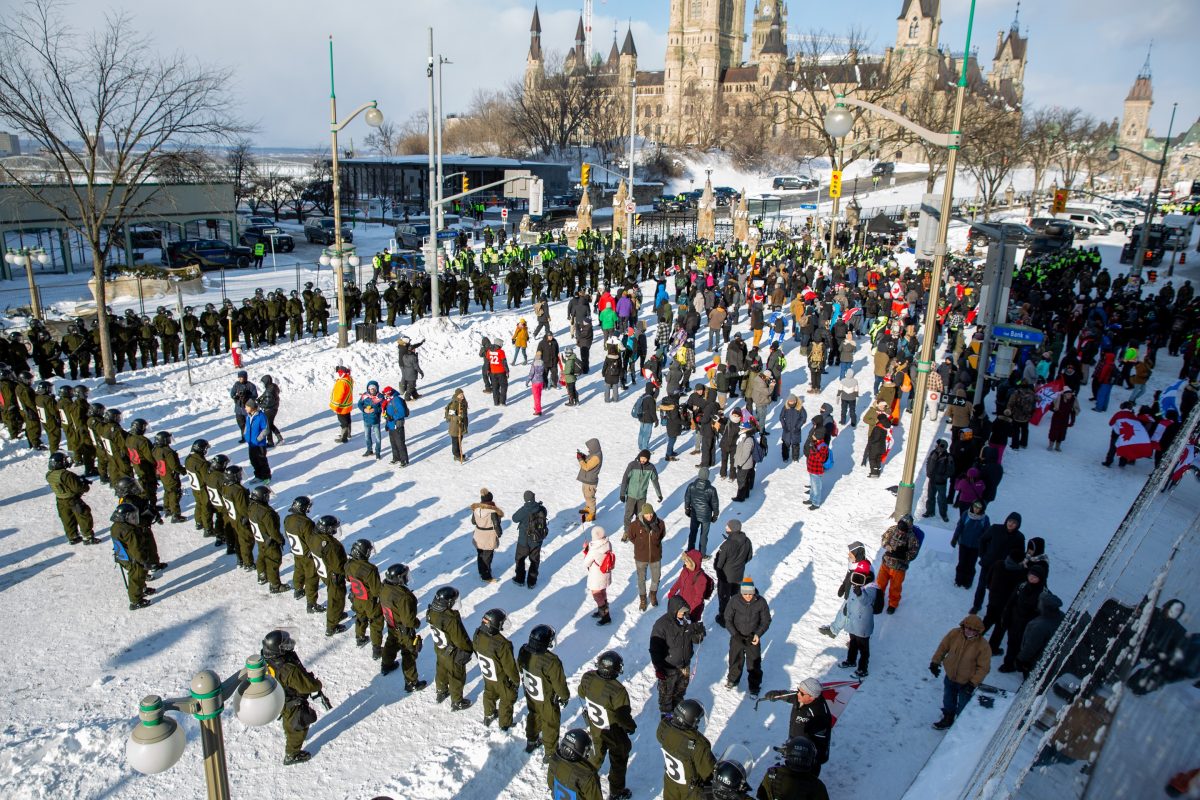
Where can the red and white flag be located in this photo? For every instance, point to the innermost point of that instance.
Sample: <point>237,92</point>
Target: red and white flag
<point>1189,457</point>
<point>1046,394</point>
<point>1133,442</point>
<point>837,694</point>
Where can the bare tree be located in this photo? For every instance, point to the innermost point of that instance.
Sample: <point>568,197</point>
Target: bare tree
<point>59,87</point>
<point>550,117</point>
<point>1085,141</point>
<point>1041,133</point>
<point>486,129</point>
<point>382,140</point>
<point>240,167</point>
<point>993,151</point>
<point>272,189</point>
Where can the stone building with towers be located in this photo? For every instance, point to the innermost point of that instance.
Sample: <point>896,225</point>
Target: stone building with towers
<point>1134,132</point>
<point>716,75</point>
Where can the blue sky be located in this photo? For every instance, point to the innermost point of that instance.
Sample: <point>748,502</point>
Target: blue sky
<point>1081,53</point>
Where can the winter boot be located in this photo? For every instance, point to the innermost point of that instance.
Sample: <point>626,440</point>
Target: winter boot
<point>361,641</point>
<point>945,722</point>
<point>416,687</point>
<point>461,704</point>
<point>388,667</point>
<point>654,598</point>
<point>605,619</point>
<point>376,652</point>
<point>1058,446</point>
<point>297,758</point>
<point>825,629</point>
<point>641,602</point>
<point>847,664</point>
<point>336,629</point>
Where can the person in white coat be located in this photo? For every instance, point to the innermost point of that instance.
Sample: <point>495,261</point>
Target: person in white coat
<point>599,559</point>
<point>857,617</point>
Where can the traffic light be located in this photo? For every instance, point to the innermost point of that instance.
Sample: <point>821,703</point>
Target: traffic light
<point>1060,201</point>
<point>585,175</point>
<point>637,220</point>
<point>466,184</point>
<point>835,183</point>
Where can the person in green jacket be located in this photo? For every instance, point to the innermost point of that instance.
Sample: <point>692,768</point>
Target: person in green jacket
<point>610,720</point>
<point>399,607</point>
<point>222,525</point>
<point>169,471</point>
<point>498,667</point>
<point>570,771</point>
<point>130,552</point>
<point>546,692</point>
<point>329,559</point>
<point>688,761</point>
<point>298,684</point>
<point>264,522</point>
<point>196,467</point>
<point>635,486</point>
<point>299,530</point>
<point>26,401</point>
<point>141,458</point>
<point>237,504</point>
<point>454,649</point>
<point>69,489</point>
<point>47,413</point>
<point>570,374</point>
<point>363,577</point>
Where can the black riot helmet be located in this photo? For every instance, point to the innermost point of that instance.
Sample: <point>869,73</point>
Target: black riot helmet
<point>396,575</point>
<point>799,753</point>
<point>362,549</point>
<point>201,446</point>
<point>729,781</point>
<point>233,474</point>
<point>277,644</point>
<point>126,486</point>
<point>301,505</point>
<point>327,525</point>
<point>66,393</point>
<point>493,621</point>
<point>81,392</point>
<point>138,426</point>
<point>162,439</point>
<point>444,599</point>
<point>219,462</point>
<point>113,415</point>
<point>541,638</point>
<point>687,715</point>
<point>127,513</point>
<point>575,745</point>
<point>43,387</point>
<point>96,410</point>
<point>261,494</point>
<point>610,664</point>
<point>59,460</point>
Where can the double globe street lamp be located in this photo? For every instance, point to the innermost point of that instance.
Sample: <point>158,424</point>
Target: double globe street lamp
<point>24,257</point>
<point>156,743</point>
<point>838,123</point>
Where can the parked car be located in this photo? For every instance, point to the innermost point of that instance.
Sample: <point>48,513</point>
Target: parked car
<point>1016,234</point>
<point>668,203</point>
<point>1179,229</point>
<point>276,239</point>
<point>725,195</point>
<point>207,254</point>
<point>141,237</point>
<point>1089,219</point>
<point>793,182</point>
<point>406,264</point>
<point>1155,245</point>
<point>1051,236</point>
<point>260,220</point>
<point>412,235</point>
<point>884,168</point>
<point>319,230</point>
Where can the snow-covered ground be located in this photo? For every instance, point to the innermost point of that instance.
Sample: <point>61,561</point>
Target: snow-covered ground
<point>77,661</point>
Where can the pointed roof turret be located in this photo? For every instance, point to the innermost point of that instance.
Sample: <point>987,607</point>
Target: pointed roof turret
<point>580,37</point>
<point>628,49</point>
<point>536,27</point>
<point>774,44</point>
<point>535,37</point>
<point>614,55</point>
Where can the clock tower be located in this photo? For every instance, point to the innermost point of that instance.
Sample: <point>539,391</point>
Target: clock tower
<point>764,13</point>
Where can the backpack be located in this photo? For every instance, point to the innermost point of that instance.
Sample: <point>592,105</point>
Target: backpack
<point>828,458</point>
<point>539,528</point>
<point>608,562</point>
<point>636,411</point>
<point>758,452</point>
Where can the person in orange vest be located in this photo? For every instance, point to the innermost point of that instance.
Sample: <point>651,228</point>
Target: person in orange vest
<point>341,401</point>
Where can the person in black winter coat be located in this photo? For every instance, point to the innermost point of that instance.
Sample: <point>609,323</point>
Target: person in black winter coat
<point>997,542</point>
<point>992,473</point>
<point>856,552</point>
<point>268,403</point>
<point>529,545</point>
<point>747,619</point>
<point>730,564</point>
<point>701,505</point>
<point>1003,579</point>
<point>1021,608</point>
<point>939,469</point>
<point>1038,633</point>
<point>674,417</point>
<point>728,443</point>
<point>672,644</point>
<point>810,717</point>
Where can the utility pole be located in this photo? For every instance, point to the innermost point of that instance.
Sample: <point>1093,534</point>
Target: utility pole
<point>431,265</point>
<point>632,132</point>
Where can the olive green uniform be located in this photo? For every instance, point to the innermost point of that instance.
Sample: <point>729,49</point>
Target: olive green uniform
<point>610,721</point>
<point>10,408</point>
<point>500,676</point>
<point>72,427</point>
<point>95,426</point>
<point>399,608</point>
<point>141,461</point>
<point>237,504</point>
<point>222,527</point>
<point>169,471</point>
<point>112,437</point>
<point>330,563</point>
<point>298,528</point>
<point>47,412</point>
<point>76,517</point>
<point>572,779</point>
<point>688,762</point>
<point>363,578</point>
<point>129,550</point>
<point>298,683</point>
<point>264,523</point>
<point>29,414</point>
<point>453,650</point>
<point>546,693</point>
<point>197,470</point>
<point>783,783</point>
<point>147,514</point>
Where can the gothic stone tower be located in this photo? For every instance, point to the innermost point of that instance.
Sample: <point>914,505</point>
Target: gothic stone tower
<point>704,37</point>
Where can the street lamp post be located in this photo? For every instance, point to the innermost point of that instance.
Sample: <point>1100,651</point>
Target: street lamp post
<point>838,122</point>
<point>156,743</point>
<point>1140,257</point>
<point>339,256</point>
<point>24,257</point>
<point>435,192</point>
<point>632,194</point>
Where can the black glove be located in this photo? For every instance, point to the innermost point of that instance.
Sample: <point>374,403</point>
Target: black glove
<point>778,694</point>
<point>935,669</point>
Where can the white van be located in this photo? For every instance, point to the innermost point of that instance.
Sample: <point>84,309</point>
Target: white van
<point>1086,218</point>
<point>1179,229</point>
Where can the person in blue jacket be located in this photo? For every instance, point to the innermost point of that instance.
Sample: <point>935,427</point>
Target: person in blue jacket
<point>370,404</point>
<point>258,429</point>
<point>395,411</point>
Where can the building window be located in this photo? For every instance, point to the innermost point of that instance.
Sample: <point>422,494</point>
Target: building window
<point>913,28</point>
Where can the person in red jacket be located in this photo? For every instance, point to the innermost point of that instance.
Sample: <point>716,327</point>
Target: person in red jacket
<point>498,370</point>
<point>816,454</point>
<point>693,584</point>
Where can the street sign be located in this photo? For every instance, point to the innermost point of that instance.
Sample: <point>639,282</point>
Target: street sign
<point>504,213</point>
<point>835,183</point>
<point>630,207</point>
<point>808,206</point>
<point>1018,333</point>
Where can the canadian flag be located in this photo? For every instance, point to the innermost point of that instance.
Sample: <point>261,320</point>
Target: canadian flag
<point>1188,458</point>
<point>1133,442</point>
<point>837,694</point>
<point>1046,394</point>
